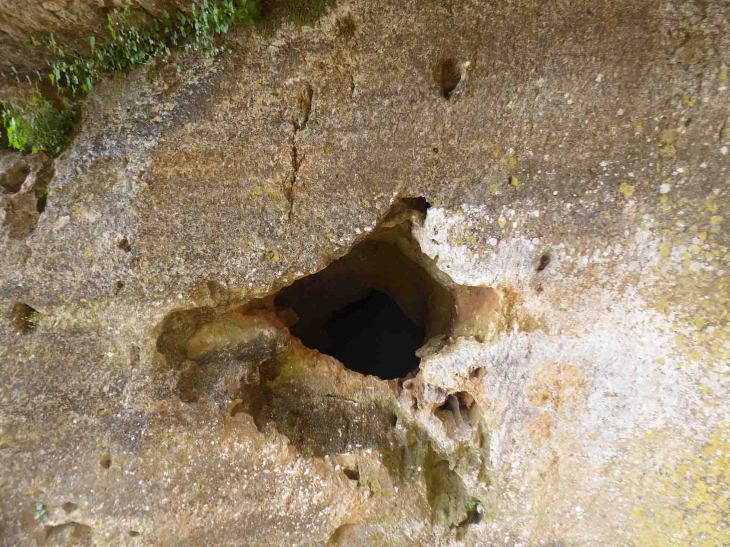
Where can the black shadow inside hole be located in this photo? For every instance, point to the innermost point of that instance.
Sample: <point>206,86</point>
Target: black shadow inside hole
<point>417,204</point>
<point>352,474</point>
<point>450,77</point>
<point>371,336</point>
<point>544,261</point>
<point>40,204</point>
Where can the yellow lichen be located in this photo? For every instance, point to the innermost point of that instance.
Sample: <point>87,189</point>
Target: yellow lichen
<point>711,205</point>
<point>514,181</point>
<point>627,189</point>
<point>670,150</point>
<point>691,498</point>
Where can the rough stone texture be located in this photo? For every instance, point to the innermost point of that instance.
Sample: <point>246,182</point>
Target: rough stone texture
<point>579,169</point>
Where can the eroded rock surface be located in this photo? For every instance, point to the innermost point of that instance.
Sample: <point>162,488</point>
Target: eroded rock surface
<point>552,177</point>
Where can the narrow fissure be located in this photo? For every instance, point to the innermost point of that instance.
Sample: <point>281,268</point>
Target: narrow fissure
<point>298,124</point>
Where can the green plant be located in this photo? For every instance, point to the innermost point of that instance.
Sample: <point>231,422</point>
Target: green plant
<point>34,318</point>
<point>37,125</point>
<point>40,512</point>
<point>133,39</point>
<point>472,503</point>
<point>130,45</point>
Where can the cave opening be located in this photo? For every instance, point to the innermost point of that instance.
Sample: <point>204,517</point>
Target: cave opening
<point>375,307</point>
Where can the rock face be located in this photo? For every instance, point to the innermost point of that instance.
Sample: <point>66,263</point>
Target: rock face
<point>541,188</point>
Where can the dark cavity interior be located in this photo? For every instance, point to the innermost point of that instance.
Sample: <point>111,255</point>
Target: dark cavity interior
<point>373,308</point>
<point>371,336</point>
<point>450,77</point>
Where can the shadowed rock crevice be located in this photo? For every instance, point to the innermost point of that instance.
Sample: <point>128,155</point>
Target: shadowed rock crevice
<point>448,75</point>
<point>459,413</point>
<point>445,490</point>
<point>23,317</point>
<point>377,310</point>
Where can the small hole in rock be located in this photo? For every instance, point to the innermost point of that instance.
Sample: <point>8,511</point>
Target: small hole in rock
<point>352,474</point>
<point>133,356</point>
<point>124,245</point>
<point>417,204</point>
<point>450,77</point>
<point>544,261</point>
<point>118,286</point>
<point>480,372</point>
<point>69,507</point>
<point>106,461</point>
<point>458,412</point>
<point>40,205</point>
<point>24,318</point>
<point>133,533</point>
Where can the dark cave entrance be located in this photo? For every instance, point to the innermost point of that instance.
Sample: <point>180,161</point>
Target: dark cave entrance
<point>370,336</point>
<point>375,307</point>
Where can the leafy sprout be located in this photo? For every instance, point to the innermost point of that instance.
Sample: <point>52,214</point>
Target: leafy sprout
<point>472,503</point>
